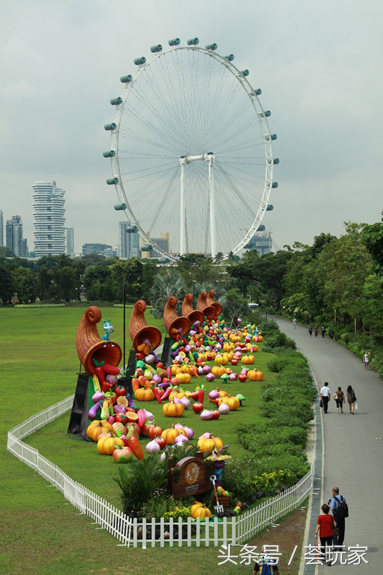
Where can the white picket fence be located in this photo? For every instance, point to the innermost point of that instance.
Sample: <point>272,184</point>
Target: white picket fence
<point>144,533</point>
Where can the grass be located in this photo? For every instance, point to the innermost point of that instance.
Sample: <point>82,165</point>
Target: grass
<point>41,532</point>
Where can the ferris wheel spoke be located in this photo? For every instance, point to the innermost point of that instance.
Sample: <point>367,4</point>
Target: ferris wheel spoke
<point>166,195</point>
<point>166,118</point>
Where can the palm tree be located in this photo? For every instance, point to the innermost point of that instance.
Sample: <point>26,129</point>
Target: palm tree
<point>164,286</point>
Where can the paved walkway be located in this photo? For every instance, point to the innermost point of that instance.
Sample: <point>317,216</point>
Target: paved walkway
<point>353,445</point>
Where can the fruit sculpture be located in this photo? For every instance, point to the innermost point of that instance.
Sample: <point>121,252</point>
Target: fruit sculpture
<point>199,511</point>
<point>208,442</point>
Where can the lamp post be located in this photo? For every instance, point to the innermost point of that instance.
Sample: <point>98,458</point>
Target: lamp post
<point>123,321</point>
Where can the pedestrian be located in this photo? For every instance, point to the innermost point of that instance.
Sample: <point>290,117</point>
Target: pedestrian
<point>267,565</point>
<point>316,331</point>
<point>325,527</point>
<point>295,323</point>
<point>351,399</point>
<point>338,506</point>
<point>339,399</point>
<point>366,359</point>
<point>310,331</point>
<point>323,330</point>
<point>325,396</point>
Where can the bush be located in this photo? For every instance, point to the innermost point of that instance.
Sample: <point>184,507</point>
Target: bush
<point>138,480</point>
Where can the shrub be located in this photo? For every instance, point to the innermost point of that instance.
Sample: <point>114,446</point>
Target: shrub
<point>138,480</point>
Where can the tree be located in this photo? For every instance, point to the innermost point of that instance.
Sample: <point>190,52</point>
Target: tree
<point>24,281</point>
<point>372,237</point>
<point>166,284</point>
<point>6,281</point>
<point>233,307</point>
<point>132,271</point>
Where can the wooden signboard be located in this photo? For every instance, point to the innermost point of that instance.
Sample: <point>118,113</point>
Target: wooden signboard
<point>192,478</point>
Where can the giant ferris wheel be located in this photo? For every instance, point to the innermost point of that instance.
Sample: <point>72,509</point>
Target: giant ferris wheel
<point>191,152</point>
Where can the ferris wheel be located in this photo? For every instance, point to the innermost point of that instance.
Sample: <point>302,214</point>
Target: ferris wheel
<point>191,152</point>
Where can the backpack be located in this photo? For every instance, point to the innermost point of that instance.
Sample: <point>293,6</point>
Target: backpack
<point>342,508</point>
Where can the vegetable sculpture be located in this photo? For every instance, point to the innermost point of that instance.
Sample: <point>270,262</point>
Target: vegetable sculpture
<point>96,428</point>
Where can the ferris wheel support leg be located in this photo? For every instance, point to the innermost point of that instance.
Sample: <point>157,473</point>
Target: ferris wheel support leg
<point>212,207</point>
<point>182,208</point>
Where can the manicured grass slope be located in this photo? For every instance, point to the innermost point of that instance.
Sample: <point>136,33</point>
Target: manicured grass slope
<point>41,532</point>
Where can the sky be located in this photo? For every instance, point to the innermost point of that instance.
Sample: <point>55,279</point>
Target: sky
<point>318,64</point>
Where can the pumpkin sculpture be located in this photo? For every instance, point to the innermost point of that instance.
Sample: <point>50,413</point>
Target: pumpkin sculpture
<point>106,445</point>
<point>177,394</point>
<point>170,434</point>
<point>255,375</point>
<point>143,394</point>
<point>248,359</point>
<point>96,428</point>
<point>200,512</point>
<point>207,444</point>
<point>232,402</point>
<point>173,409</point>
<point>218,370</point>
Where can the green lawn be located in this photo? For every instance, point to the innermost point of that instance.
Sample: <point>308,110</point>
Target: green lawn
<point>41,532</point>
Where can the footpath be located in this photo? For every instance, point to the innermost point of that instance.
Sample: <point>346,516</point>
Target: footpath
<point>353,447</point>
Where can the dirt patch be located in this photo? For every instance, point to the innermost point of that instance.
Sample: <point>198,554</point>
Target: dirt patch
<point>287,535</point>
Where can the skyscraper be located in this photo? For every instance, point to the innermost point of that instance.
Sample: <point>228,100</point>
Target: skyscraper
<point>124,240</point>
<point>48,203</point>
<point>1,229</point>
<point>129,244</point>
<point>69,242</point>
<point>14,236</point>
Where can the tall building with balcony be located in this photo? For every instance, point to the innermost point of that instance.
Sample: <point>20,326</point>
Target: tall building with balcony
<point>14,237</point>
<point>69,242</point>
<point>49,211</point>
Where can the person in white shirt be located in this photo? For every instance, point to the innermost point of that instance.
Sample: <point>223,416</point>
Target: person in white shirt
<point>366,359</point>
<point>325,396</point>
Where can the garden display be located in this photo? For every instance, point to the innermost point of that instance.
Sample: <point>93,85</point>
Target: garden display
<point>204,355</point>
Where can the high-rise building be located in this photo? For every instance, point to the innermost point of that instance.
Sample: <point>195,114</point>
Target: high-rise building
<point>48,204</point>
<point>101,249</point>
<point>69,242</point>
<point>1,228</point>
<point>262,242</point>
<point>129,243</point>
<point>124,240</point>
<point>14,236</point>
<point>162,243</point>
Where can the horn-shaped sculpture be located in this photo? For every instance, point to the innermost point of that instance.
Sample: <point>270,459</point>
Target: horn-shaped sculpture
<point>89,344</point>
<point>210,301</point>
<point>175,325</point>
<point>140,332</point>
<point>193,315</point>
<point>208,310</point>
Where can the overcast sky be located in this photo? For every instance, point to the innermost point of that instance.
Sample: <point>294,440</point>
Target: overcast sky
<point>318,64</point>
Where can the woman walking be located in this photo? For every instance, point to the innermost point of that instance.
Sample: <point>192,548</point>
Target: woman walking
<point>351,399</point>
<point>316,331</point>
<point>310,331</point>
<point>339,399</point>
<point>325,527</point>
<point>366,359</point>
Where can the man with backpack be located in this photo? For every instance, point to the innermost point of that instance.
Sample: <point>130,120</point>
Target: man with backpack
<point>339,509</point>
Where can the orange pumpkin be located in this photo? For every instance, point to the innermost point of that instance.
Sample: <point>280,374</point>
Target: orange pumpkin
<point>184,377</point>
<point>232,402</point>
<point>218,370</point>
<point>248,359</point>
<point>144,394</point>
<point>260,338</point>
<point>207,444</point>
<point>96,428</point>
<point>173,409</point>
<point>255,375</point>
<point>170,434</point>
<point>201,512</point>
<point>106,445</point>
<point>177,394</point>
